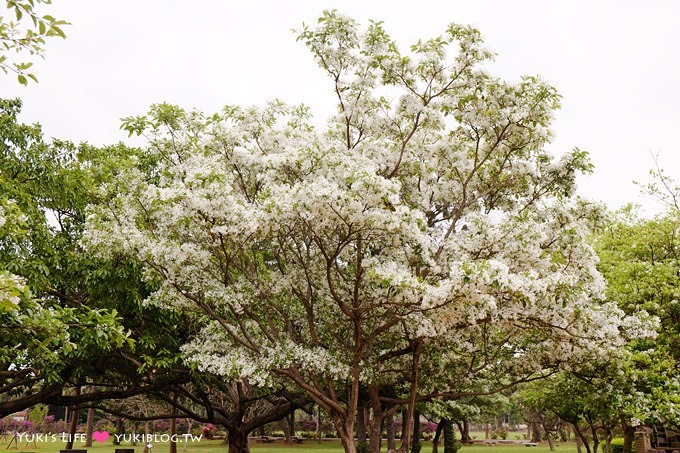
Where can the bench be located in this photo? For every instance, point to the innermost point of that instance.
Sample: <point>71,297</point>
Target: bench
<point>298,440</point>
<point>530,444</point>
<point>264,440</point>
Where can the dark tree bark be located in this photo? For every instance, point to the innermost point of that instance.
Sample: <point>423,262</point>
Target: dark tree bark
<point>437,435</point>
<point>628,436</point>
<point>593,431</point>
<point>464,428</point>
<point>415,440</point>
<point>548,437</point>
<point>391,432</point>
<point>146,433</point>
<point>376,423</point>
<point>120,427</point>
<point>582,438</point>
<point>238,441</point>
<point>75,411</point>
<point>173,431</point>
<point>408,422</point>
<point>285,427</point>
<point>90,427</point>
<point>449,438</point>
<point>535,432</point>
<point>465,432</point>
<point>362,438</point>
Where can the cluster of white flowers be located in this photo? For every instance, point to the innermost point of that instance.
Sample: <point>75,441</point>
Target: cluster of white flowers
<point>12,287</point>
<point>433,215</point>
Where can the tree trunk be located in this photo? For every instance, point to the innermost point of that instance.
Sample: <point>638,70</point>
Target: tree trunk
<point>465,432</point>
<point>346,435</point>
<point>596,438</point>
<point>285,427</point>
<point>406,428</point>
<point>375,432</point>
<point>391,433</point>
<point>535,432</point>
<point>146,433</point>
<point>238,441</point>
<point>347,443</point>
<point>437,434</point>
<point>173,430</point>
<point>74,422</point>
<point>362,444</point>
<point>90,427</point>
<point>318,424</point>
<point>120,427</point>
<point>548,438</point>
<point>628,436</point>
<point>415,442</point>
<point>449,438</point>
<point>581,437</point>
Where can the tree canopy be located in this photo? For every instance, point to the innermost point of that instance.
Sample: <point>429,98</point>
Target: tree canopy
<point>425,228</point>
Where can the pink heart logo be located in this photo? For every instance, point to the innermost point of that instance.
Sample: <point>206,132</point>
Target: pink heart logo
<point>100,436</point>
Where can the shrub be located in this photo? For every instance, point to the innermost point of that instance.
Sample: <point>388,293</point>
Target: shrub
<point>208,430</point>
<point>161,426</point>
<point>47,425</point>
<point>616,446</point>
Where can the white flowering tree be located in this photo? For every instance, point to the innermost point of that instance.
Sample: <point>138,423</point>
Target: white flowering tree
<point>422,245</point>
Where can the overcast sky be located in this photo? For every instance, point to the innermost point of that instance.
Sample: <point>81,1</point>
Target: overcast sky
<point>617,64</point>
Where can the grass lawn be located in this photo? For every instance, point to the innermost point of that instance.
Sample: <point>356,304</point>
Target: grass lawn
<point>217,446</point>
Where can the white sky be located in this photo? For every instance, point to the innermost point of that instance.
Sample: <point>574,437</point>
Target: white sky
<point>616,62</point>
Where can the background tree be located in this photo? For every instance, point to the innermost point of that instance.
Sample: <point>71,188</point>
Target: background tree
<point>592,405</point>
<point>66,330</point>
<point>639,258</point>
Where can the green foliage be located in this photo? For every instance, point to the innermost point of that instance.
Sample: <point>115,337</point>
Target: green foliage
<point>640,259</point>
<point>641,262</point>
<point>450,444</point>
<point>37,413</point>
<point>50,328</point>
<point>25,36</point>
<point>616,445</point>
